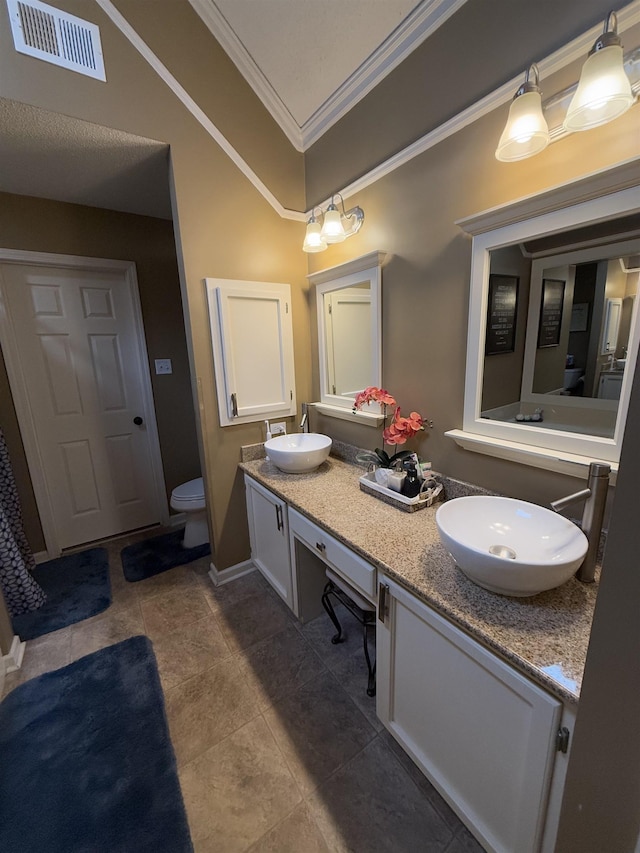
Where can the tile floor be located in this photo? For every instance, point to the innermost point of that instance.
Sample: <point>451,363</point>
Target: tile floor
<point>278,746</point>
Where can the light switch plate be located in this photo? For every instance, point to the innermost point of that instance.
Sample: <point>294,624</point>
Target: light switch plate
<point>163,365</point>
<point>278,428</point>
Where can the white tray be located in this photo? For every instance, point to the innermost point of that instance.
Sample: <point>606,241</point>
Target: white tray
<point>369,484</point>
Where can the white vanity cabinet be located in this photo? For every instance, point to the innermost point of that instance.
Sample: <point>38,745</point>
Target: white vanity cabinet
<point>482,733</point>
<point>269,537</point>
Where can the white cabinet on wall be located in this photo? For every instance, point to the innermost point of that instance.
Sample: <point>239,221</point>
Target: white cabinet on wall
<point>482,733</point>
<point>252,337</point>
<point>269,537</point>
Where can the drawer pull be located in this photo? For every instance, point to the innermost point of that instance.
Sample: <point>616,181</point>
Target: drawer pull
<point>321,547</point>
<point>279,520</point>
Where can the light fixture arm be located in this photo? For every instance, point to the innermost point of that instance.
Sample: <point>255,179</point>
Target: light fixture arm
<point>609,36</point>
<point>528,86</point>
<point>356,214</point>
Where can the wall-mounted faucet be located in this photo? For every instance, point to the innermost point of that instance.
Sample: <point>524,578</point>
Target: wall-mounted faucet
<point>304,421</point>
<point>595,497</point>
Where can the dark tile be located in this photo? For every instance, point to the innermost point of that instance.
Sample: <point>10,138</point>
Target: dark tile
<point>281,664</point>
<point>371,805</point>
<point>320,632</point>
<point>464,842</point>
<point>318,728</point>
<point>252,619</point>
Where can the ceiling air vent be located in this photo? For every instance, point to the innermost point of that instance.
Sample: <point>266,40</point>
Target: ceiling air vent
<point>57,37</point>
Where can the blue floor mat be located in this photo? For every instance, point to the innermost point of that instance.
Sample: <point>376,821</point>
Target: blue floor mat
<point>77,586</point>
<point>151,556</point>
<point>87,761</point>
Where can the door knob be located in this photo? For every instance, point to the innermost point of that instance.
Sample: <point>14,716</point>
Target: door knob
<point>137,420</point>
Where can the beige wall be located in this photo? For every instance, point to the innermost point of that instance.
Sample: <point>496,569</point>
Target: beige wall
<point>224,228</point>
<point>39,225</point>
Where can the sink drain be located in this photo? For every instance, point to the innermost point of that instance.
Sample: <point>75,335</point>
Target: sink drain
<point>502,551</point>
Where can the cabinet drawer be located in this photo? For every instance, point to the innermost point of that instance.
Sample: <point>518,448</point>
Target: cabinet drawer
<point>350,566</point>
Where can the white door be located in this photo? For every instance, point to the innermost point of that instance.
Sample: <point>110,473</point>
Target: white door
<point>75,345</point>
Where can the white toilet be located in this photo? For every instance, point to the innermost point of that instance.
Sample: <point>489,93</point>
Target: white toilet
<point>189,498</point>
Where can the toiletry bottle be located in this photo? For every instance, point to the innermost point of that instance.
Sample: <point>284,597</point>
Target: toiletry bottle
<point>268,435</point>
<point>411,484</point>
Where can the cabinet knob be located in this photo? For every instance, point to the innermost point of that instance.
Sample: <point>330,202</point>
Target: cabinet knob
<point>137,420</point>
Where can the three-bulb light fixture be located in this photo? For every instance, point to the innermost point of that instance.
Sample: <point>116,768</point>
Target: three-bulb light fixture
<point>336,225</point>
<point>603,93</point>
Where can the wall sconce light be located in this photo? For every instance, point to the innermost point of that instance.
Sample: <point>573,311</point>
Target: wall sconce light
<point>526,132</point>
<point>607,88</point>
<point>604,91</point>
<point>336,226</point>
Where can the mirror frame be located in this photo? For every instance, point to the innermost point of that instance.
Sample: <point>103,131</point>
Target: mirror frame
<point>365,268</point>
<point>609,195</point>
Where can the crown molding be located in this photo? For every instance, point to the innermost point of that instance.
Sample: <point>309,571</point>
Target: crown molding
<point>200,116</point>
<point>220,29</point>
<point>418,26</point>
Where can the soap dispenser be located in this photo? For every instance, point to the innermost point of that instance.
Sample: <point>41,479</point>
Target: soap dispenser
<point>411,484</point>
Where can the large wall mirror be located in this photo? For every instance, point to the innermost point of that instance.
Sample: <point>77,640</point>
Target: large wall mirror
<point>348,308</point>
<point>554,329</point>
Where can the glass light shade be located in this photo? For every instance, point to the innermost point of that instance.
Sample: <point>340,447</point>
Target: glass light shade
<point>603,93</point>
<point>313,239</point>
<point>332,227</point>
<point>526,132</point>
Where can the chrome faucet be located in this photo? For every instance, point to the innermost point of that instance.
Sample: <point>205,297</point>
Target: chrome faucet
<point>304,422</point>
<point>595,497</point>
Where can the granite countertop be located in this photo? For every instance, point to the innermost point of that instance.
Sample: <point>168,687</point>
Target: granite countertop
<point>544,636</point>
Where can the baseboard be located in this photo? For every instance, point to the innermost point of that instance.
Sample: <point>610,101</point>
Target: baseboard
<point>219,578</point>
<point>13,658</point>
<point>41,557</point>
<point>178,520</point>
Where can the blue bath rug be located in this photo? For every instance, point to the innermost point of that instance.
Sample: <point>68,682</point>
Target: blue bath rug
<point>77,586</point>
<point>87,762</point>
<point>149,557</point>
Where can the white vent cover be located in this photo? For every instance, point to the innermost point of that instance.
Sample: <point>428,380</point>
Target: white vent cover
<point>57,37</point>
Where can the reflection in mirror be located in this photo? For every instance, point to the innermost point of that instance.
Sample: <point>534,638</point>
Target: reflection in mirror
<point>349,326</point>
<point>347,339</point>
<point>570,331</point>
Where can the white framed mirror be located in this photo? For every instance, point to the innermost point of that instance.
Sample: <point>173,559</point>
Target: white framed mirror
<point>348,306</point>
<point>546,383</point>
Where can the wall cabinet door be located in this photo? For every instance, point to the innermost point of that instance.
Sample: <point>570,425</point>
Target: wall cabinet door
<point>252,337</point>
<point>482,733</point>
<point>269,536</point>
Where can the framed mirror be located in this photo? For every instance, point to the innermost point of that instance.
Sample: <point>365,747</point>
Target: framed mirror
<point>348,305</point>
<point>557,395</point>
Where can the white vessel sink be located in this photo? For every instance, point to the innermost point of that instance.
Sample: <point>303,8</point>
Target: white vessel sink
<point>509,546</point>
<point>298,453</point>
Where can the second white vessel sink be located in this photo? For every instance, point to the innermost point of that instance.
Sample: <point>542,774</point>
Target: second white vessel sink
<point>298,453</point>
<point>509,546</point>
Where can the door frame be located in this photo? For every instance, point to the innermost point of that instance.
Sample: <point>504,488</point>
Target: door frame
<point>18,386</point>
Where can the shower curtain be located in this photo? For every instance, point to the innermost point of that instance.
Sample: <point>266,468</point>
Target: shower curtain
<point>21,592</point>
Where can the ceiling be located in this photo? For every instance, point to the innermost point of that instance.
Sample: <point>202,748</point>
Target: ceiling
<point>310,61</point>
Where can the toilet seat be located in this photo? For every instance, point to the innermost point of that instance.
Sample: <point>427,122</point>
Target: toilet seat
<point>189,495</point>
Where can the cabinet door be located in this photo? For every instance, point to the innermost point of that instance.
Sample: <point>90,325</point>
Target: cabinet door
<point>269,536</point>
<point>252,338</point>
<point>482,733</point>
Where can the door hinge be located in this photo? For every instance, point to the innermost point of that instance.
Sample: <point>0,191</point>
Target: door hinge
<point>291,395</point>
<point>330,309</point>
<point>333,389</point>
<point>383,601</point>
<point>562,739</point>
<point>286,305</point>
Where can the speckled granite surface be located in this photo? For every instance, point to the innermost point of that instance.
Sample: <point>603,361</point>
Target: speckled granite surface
<point>545,636</point>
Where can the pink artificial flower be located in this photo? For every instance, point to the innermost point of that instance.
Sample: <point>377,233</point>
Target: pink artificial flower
<point>373,395</point>
<point>401,429</point>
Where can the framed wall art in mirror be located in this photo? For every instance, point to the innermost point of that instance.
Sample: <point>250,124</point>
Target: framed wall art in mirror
<point>559,398</point>
<point>348,305</point>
